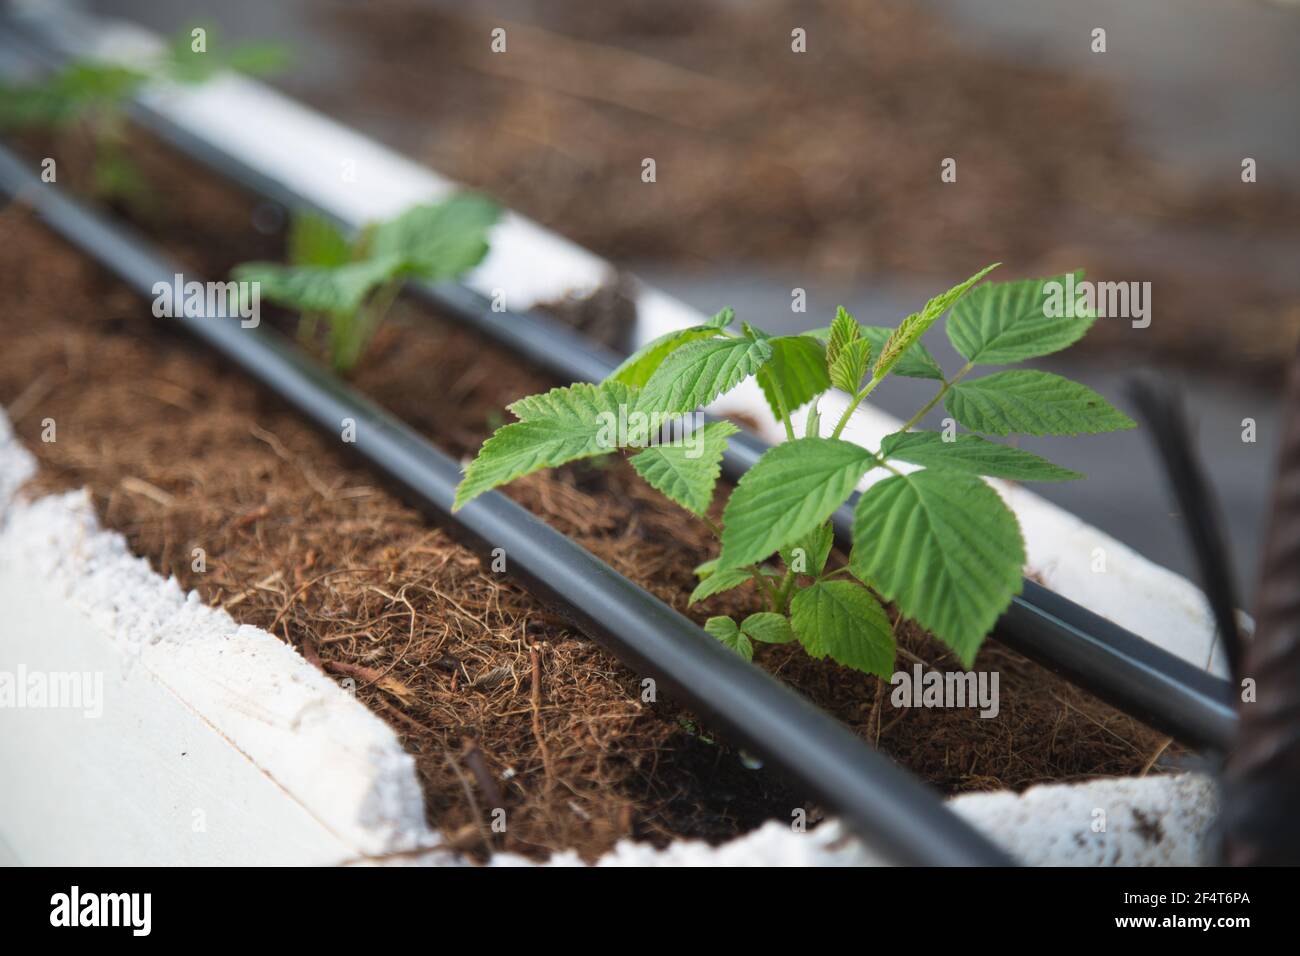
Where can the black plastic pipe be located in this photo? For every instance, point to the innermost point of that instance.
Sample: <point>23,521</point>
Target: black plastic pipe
<point>892,810</point>
<point>1114,664</point>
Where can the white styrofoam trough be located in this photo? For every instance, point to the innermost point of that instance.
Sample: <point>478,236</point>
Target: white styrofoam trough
<point>177,736</point>
<point>217,743</point>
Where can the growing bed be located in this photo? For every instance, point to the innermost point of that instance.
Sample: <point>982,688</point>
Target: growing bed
<point>499,701</point>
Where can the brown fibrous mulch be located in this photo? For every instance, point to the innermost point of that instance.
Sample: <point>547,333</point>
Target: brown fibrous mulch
<point>825,165</point>
<point>500,701</point>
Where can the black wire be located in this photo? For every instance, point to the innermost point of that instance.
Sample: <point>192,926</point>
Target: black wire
<point>1161,406</point>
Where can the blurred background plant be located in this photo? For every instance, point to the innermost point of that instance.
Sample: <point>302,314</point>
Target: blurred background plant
<point>88,99</point>
<point>343,288</point>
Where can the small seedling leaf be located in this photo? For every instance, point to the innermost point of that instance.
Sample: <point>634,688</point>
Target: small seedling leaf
<point>438,241</point>
<point>917,324</point>
<point>841,620</point>
<point>315,288</point>
<point>727,633</point>
<point>768,628</point>
<point>68,95</point>
<point>816,546</point>
<point>315,241</point>
<point>843,331</point>
<point>718,582</point>
<point>850,365</point>
<point>916,362</point>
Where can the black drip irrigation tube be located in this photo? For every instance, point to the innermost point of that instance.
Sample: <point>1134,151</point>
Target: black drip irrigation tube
<point>1096,654</point>
<point>890,809</point>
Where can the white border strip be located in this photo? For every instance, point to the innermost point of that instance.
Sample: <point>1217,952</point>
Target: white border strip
<point>214,740</point>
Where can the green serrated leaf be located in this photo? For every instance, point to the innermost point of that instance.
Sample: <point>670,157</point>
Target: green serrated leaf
<point>916,362</point>
<point>767,628</point>
<point>724,629</point>
<point>1004,322</point>
<point>560,426</point>
<point>842,332</point>
<point>687,470</point>
<point>438,241</point>
<point>850,366</point>
<point>840,619</point>
<point>695,374</point>
<point>808,555</point>
<point>69,94</point>
<point>973,455</point>
<point>261,58</point>
<point>722,318</point>
<point>942,546</point>
<point>581,400</point>
<point>918,323</point>
<point>1032,403</point>
<point>641,364</point>
<point>718,582</point>
<point>117,177</point>
<point>798,366</point>
<point>315,241</point>
<point>787,493</point>
<point>338,290</point>
<point>707,568</point>
<point>184,64</point>
<point>812,426</point>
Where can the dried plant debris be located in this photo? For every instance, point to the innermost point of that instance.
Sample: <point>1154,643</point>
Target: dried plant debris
<point>826,162</point>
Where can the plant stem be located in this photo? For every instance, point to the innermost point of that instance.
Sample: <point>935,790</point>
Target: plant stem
<point>358,331</point>
<point>780,404</point>
<point>760,579</point>
<point>948,383</point>
<point>857,400</point>
<point>308,323</point>
<point>784,594</point>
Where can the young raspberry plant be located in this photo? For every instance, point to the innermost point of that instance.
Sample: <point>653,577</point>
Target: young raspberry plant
<point>346,287</point>
<point>938,542</point>
<point>91,97</point>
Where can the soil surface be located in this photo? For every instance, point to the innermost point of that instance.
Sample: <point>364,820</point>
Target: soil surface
<point>502,704</point>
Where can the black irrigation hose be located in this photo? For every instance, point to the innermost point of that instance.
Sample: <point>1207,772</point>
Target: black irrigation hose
<point>891,809</point>
<point>1132,674</point>
<point>1116,665</point>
